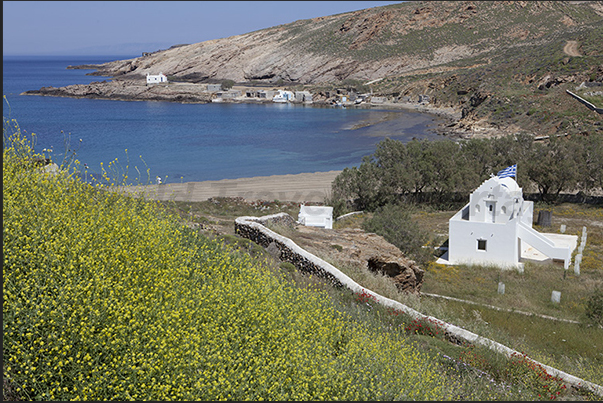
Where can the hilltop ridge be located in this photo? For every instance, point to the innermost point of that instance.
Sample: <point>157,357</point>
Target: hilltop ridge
<point>368,44</point>
<point>501,65</point>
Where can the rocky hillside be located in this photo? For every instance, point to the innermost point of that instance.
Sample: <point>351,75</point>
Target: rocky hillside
<point>372,43</point>
<point>503,65</point>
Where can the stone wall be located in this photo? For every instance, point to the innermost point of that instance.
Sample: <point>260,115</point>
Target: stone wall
<point>252,228</point>
<point>287,251</point>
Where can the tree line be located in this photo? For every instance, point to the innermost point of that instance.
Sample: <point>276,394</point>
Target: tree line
<point>446,171</point>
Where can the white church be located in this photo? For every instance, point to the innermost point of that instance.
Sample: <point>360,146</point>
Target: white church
<point>155,79</point>
<point>495,228</point>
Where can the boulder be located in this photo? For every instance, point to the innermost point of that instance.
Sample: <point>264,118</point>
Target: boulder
<point>406,275</point>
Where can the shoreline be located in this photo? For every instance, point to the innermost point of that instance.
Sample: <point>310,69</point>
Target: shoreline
<point>119,90</point>
<point>83,91</point>
<point>300,188</point>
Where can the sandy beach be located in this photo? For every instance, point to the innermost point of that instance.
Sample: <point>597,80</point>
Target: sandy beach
<point>304,187</point>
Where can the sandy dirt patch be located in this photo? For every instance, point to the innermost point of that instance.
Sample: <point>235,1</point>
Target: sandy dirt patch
<point>304,187</point>
<point>571,48</point>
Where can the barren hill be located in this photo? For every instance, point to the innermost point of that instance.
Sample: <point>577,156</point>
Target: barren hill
<point>369,44</point>
<point>502,65</point>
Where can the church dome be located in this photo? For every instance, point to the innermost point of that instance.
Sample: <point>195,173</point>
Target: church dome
<point>509,183</point>
<point>497,188</point>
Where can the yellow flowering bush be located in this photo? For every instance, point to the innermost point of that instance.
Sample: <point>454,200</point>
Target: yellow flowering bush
<point>107,296</point>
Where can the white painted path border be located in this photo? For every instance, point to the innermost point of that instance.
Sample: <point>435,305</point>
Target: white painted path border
<point>501,309</point>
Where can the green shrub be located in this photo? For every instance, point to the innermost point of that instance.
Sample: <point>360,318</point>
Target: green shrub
<point>340,206</point>
<point>339,248</point>
<point>290,267</point>
<point>594,307</point>
<point>227,84</point>
<point>394,222</point>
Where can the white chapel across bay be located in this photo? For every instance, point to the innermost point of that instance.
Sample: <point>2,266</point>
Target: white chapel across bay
<point>156,79</point>
<point>495,228</point>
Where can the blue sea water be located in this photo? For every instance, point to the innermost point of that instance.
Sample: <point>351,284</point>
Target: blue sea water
<point>194,142</point>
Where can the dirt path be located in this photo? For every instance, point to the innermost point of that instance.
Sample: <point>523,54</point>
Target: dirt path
<point>571,48</point>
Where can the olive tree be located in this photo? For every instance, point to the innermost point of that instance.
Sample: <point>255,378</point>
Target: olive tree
<point>398,173</point>
<point>591,158</point>
<point>395,223</point>
<point>360,186</point>
<point>553,166</point>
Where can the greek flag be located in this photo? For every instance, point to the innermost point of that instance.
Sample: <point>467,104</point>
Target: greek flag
<point>510,171</point>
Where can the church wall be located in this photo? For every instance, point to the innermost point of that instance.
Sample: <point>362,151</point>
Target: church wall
<point>498,243</point>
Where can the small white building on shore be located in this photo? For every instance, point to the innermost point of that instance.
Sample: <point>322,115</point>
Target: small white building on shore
<point>284,96</point>
<point>495,228</point>
<point>156,79</point>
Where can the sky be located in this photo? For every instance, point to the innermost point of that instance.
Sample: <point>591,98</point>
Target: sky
<point>131,27</point>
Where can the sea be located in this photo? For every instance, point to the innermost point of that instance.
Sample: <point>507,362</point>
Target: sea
<point>193,142</point>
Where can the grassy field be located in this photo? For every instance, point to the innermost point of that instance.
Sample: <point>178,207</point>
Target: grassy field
<point>576,348</point>
<point>567,346</point>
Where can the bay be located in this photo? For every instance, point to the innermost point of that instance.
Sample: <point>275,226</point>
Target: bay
<point>194,142</point>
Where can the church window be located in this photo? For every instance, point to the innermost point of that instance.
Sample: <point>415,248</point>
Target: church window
<point>481,244</point>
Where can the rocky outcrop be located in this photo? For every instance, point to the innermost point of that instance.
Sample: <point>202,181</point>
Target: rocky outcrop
<point>405,274</point>
<point>364,249</point>
<point>129,91</point>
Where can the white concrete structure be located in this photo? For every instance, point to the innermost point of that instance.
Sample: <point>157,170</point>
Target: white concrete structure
<point>284,96</point>
<point>155,79</point>
<point>495,228</point>
<point>316,216</point>
<point>303,96</point>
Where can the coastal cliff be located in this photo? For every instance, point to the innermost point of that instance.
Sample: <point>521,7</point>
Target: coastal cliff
<point>499,65</point>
